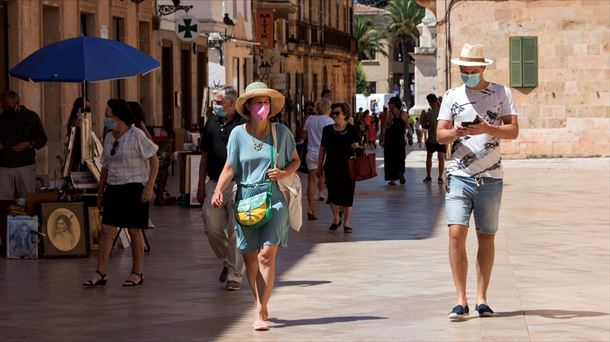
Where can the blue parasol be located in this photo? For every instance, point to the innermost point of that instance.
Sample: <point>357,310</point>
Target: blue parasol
<point>83,59</point>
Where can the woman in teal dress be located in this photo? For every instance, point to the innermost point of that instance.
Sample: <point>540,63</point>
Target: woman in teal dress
<point>249,163</point>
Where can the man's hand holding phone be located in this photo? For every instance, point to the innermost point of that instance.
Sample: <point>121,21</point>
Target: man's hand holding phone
<point>474,127</point>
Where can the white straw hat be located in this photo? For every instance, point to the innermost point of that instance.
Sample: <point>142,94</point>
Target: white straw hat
<point>256,89</point>
<point>472,55</point>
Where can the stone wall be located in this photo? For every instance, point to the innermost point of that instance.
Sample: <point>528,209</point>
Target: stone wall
<point>572,98</point>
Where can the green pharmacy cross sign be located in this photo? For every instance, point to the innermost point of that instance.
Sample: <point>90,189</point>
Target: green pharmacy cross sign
<point>187,28</point>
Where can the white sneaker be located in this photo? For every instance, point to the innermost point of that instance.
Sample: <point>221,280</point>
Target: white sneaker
<point>150,224</point>
<point>322,197</point>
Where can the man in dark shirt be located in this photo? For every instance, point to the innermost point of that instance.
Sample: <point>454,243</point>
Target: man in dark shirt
<point>429,120</point>
<point>217,222</point>
<point>21,134</point>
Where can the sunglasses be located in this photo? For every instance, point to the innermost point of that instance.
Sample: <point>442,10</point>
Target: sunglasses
<point>114,147</point>
<point>335,113</point>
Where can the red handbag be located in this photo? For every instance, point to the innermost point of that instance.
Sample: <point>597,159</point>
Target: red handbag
<point>362,167</point>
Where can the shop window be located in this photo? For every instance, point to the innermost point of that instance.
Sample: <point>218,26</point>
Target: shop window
<point>523,62</point>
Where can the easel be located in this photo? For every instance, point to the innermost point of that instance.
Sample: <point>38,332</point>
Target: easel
<point>146,247</point>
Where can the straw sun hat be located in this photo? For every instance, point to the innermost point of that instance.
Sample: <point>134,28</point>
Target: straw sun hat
<point>257,89</point>
<point>472,55</point>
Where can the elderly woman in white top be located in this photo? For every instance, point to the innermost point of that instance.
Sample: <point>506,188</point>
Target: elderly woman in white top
<point>129,170</point>
<point>312,132</point>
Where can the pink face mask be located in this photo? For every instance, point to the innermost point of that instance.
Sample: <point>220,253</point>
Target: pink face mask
<point>261,110</point>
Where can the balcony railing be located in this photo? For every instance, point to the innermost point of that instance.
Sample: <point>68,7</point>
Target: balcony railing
<point>339,39</point>
<point>303,33</point>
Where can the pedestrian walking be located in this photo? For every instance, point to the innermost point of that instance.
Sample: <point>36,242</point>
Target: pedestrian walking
<point>371,131</point>
<point>129,169</point>
<point>475,117</point>
<point>313,133</point>
<point>218,223</point>
<point>339,142</point>
<point>250,161</point>
<point>393,141</point>
<point>418,131</point>
<point>430,121</point>
<point>21,134</point>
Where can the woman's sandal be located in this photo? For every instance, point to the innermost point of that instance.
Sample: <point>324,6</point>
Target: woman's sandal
<point>131,283</point>
<point>311,216</point>
<point>333,227</point>
<point>100,282</point>
<point>347,230</point>
<point>260,325</point>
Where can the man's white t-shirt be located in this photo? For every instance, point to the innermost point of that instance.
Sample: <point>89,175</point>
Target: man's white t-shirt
<point>314,126</point>
<point>477,155</point>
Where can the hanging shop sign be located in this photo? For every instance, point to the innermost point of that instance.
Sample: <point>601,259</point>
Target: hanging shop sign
<point>264,28</point>
<point>187,28</point>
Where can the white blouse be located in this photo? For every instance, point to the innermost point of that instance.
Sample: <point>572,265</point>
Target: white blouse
<point>129,164</point>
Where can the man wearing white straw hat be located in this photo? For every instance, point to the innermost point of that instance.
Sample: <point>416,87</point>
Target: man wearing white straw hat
<point>474,117</point>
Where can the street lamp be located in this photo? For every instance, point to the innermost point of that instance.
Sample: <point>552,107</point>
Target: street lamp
<point>265,69</point>
<point>292,44</point>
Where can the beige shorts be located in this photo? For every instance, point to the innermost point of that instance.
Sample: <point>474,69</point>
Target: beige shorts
<point>312,161</point>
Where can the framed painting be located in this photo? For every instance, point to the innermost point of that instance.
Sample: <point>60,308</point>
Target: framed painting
<point>69,153</point>
<point>64,226</point>
<point>22,237</point>
<point>194,161</point>
<point>95,228</point>
<point>86,128</point>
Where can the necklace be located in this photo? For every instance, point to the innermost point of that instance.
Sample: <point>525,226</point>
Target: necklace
<point>256,145</point>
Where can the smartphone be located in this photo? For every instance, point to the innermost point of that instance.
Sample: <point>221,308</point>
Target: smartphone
<point>474,122</point>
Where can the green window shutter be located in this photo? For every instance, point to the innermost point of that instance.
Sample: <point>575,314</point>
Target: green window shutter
<point>530,61</point>
<point>516,62</point>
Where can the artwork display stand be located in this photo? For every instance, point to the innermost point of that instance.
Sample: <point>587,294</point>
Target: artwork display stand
<point>118,234</point>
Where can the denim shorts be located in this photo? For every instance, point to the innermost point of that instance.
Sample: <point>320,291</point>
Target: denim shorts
<point>481,195</point>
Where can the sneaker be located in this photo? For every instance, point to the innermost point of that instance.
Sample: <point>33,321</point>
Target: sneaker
<point>322,197</point>
<point>232,286</point>
<point>459,312</point>
<point>223,275</point>
<point>427,180</point>
<point>484,310</point>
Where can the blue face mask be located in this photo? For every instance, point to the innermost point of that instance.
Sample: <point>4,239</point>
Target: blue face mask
<point>219,111</point>
<point>471,80</point>
<point>108,123</point>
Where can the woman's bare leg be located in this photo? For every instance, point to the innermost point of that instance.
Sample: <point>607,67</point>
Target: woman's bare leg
<point>105,246</point>
<point>137,253</point>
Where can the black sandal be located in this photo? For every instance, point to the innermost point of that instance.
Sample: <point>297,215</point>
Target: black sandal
<point>333,227</point>
<point>347,230</point>
<point>100,282</point>
<point>131,283</point>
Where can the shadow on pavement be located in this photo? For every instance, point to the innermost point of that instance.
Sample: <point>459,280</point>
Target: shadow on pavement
<point>302,283</point>
<point>283,323</point>
<point>553,314</point>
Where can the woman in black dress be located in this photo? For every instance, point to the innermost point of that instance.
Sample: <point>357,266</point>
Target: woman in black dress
<point>393,141</point>
<point>338,144</point>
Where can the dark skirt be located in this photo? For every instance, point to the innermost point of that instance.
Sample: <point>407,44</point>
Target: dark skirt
<point>340,187</point>
<point>123,206</point>
<point>394,156</point>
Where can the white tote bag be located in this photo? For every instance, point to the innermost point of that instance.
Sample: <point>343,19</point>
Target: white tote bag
<point>291,189</point>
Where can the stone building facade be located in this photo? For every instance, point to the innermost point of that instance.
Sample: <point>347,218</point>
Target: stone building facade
<point>324,56</point>
<point>34,23</point>
<point>566,114</point>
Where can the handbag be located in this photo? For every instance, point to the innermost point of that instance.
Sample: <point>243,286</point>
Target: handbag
<point>362,167</point>
<point>291,188</point>
<point>255,211</point>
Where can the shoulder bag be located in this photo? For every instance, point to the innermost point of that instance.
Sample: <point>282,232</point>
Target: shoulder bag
<point>291,189</point>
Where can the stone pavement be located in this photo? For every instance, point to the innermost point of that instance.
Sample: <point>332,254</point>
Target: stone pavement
<point>388,281</point>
